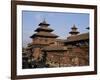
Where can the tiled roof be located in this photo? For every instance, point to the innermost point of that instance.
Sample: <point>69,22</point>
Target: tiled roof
<point>73,32</point>
<point>44,23</point>
<point>84,36</point>
<point>44,34</point>
<point>44,29</point>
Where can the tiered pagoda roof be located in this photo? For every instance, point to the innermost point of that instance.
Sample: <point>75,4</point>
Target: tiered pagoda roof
<point>80,37</point>
<point>47,29</point>
<point>44,31</point>
<point>74,30</point>
<point>44,34</point>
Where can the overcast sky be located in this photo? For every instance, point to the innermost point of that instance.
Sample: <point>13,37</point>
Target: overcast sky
<point>60,22</point>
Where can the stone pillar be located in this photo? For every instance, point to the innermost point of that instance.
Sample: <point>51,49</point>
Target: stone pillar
<point>36,53</point>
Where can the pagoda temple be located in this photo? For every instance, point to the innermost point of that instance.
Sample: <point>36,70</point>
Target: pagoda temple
<point>43,35</point>
<point>78,45</point>
<point>46,50</point>
<point>42,38</point>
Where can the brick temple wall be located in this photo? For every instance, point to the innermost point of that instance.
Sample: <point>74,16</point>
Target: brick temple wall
<point>76,57</point>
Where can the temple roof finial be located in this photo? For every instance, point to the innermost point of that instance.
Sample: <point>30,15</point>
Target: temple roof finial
<point>74,27</point>
<point>44,23</point>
